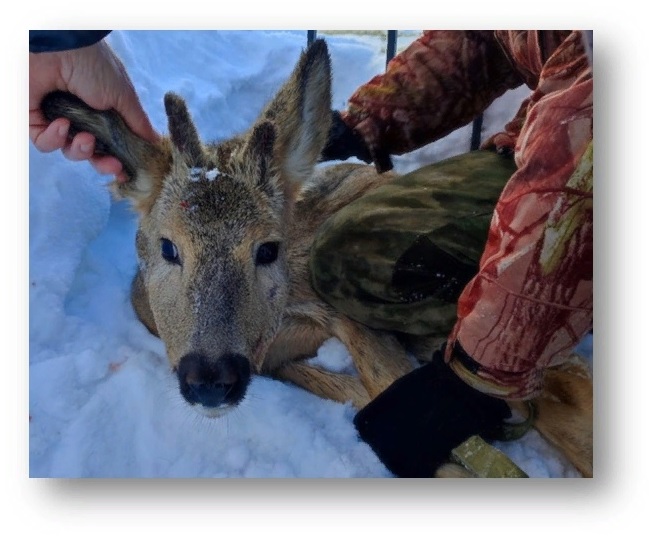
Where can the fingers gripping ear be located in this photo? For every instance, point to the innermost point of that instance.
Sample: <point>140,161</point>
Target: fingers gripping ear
<point>112,135</point>
<point>144,163</point>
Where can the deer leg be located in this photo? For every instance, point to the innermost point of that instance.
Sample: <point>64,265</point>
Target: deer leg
<point>377,355</point>
<point>333,386</point>
<point>564,413</point>
<point>299,340</point>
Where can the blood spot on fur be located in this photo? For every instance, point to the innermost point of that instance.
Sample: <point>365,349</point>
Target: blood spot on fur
<point>115,366</point>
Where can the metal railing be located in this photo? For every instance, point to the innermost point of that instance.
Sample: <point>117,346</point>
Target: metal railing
<point>391,51</point>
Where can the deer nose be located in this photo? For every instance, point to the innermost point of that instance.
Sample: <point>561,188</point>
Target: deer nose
<point>213,383</point>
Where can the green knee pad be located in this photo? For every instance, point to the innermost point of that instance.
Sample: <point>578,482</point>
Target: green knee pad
<point>399,257</point>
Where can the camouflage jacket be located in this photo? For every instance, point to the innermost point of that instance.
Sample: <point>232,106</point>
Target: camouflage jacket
<point>531,300</point>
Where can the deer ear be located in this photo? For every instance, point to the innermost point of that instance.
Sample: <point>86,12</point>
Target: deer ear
<point>144,163</point>
<point>183,133</point>
<point>259,155</point>
<point>260,150</point>
<point>301,111</point>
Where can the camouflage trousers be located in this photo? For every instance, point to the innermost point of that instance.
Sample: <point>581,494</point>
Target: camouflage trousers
<point>399,257</point>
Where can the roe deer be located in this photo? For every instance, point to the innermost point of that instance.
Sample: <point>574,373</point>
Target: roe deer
<point>224,236</point>
<point>223,242</point>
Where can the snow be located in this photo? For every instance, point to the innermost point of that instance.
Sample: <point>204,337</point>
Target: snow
<point>102,401</point>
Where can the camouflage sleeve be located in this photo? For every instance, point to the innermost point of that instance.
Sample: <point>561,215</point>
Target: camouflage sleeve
<point>532,299</point>
<point>438,84</point>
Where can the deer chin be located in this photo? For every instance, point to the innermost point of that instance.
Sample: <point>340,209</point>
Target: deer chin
<point>214,413</point>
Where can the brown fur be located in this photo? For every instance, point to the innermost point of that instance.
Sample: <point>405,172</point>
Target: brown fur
<point>218,204</point>
<point>564,412</point>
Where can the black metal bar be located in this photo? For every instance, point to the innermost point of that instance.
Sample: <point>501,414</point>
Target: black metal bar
<point>391,50</point>
<point>311,35</point>
<point>476,132</point>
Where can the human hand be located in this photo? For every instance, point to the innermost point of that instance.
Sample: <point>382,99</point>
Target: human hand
<point>96,75</point>
<point>344,142</point>
<point>415,423</point>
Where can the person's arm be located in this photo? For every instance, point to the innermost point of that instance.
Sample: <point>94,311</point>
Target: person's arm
<point>438,84</point>
<point>93,73</point>
<point>531,301</point>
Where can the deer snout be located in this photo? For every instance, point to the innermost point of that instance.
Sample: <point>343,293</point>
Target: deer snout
<point>213,383</point>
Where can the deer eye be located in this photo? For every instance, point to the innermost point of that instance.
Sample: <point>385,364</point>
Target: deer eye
<point>267,253</point>
<point>169,251</point>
